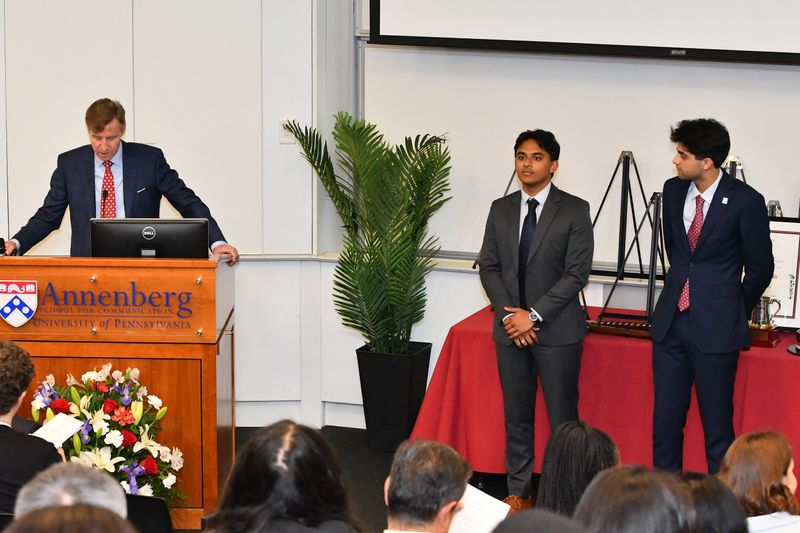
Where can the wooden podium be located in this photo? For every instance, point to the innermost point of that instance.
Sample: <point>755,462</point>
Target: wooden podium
<point>171,318</point>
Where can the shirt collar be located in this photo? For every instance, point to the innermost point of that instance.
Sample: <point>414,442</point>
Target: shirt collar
<point>708,194</point>
<point>116,161</point>
<point>540,197</point>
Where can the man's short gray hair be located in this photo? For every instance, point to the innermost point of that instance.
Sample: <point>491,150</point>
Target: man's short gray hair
<point>69,484</point>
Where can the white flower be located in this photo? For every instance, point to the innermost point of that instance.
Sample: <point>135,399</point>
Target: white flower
<point>85,403</point>
<point>101,459</point>
<point>97,420</point>
<point>73,409</point>
<point>37,403</point>
<point>165,454</point>
<point>169,481</point>
<point>90,376</point>
<point>71,381</point>
<point>146,443</point>
<point>177,459</point>
<point>113,438</point>
<point>141,393</point>
<point>118,376</point>
<point>135,374</point>
<point>155,401</point>
<point>50,380</point>
<point>83,459</point>
<point>125,486</point>
<point>147,490</point>
<point>103,374</point>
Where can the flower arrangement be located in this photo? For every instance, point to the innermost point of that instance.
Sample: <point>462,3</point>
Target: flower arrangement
<point>119,424</point>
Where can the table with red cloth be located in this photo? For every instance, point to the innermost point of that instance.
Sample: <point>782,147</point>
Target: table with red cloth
<point>463,406</point>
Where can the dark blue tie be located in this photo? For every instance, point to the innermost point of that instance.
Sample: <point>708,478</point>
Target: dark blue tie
<point>525,240</point>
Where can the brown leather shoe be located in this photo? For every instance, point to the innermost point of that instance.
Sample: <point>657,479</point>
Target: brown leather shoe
<point>517,503</point>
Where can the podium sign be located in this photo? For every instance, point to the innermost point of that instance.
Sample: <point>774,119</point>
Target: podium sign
<point>171,318</point>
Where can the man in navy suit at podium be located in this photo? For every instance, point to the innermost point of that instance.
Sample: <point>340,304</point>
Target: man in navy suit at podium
<point>110,178</point>
<point>715,228</point>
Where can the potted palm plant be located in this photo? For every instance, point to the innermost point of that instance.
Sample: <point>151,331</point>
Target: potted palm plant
<point>385,197</point>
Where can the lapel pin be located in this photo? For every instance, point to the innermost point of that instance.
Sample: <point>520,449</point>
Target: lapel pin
<point>725,200</point>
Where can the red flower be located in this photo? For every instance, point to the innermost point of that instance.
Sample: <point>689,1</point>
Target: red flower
<point>60,406</point>
<point>128,439</point>
<point>109,406</point>
<point>149,464</point>
<point>102,386</point>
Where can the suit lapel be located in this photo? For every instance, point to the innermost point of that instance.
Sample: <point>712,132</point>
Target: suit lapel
<point>679,202</point>
<point>87,182</point>
<point>551,206</point>
<point>510,222</point>
<point>129,179</point>
<point>715,209</point>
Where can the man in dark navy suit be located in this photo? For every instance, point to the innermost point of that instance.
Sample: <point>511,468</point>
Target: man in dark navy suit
<point>715,228</point>
<point>110,178</point>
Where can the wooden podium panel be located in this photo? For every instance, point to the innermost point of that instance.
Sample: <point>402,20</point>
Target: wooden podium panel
<point>183,350</point>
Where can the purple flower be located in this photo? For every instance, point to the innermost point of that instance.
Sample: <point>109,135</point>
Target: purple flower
<point>124,394</point>
<point>84,432</point>
<point>134,470</point>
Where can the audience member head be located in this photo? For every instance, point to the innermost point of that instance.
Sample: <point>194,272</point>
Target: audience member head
<point>67,484</point>
<point>632,499</point>
<point>575,453</point>
<point>704,138</point>
<point>80,518</point>
<point>426,481</point>
<point>102,112</point>
<point>16,373</point>
<point>716,509</point>
<point>759,469</point>
<point>537,520</point>
<point>286,471</point>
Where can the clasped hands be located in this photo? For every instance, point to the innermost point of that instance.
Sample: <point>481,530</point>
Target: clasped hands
<point>520,328</point>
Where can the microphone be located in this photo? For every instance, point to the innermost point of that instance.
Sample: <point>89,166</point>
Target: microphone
<point>104,195</point>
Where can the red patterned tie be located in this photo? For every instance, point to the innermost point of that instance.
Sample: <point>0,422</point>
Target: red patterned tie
<point>692,235</point>
<point>108,200</point>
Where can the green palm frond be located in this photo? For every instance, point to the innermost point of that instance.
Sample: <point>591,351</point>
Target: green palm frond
<point>386,197</point>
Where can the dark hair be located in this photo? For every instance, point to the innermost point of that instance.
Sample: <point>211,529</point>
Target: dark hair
<point>16,373</point>
<point>545,139</point>
<point>537,520</point>
<point>716,509</point>
<point>632,499</point>
<point>575,453</point>
<point>754,467</point>
<point>703,137</point>
<point>102,112</point>
<point>425,476</point>
<point>285,471</point>
<point>79,518</point>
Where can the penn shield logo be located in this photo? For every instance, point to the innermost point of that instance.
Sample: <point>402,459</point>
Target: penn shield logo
<point>18,301</point>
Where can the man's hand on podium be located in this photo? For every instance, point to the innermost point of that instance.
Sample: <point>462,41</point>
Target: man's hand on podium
<point>9,247</point>
<point>227,249</point>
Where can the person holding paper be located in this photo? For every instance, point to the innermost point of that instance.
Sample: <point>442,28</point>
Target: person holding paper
<point>535,259</point>
<point>110,178</point>
<point>23,455</point>
<point>426,481</point>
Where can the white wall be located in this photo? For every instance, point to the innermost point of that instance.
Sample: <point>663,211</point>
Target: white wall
<point>597,107</point>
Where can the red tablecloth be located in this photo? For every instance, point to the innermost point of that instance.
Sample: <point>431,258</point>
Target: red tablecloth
<point>463,406</point>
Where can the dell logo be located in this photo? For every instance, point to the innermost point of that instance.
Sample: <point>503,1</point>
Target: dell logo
<point>149,233</point>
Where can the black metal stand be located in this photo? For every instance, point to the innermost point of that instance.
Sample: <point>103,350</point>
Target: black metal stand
<point>626,201</point>
<point>656,254</point>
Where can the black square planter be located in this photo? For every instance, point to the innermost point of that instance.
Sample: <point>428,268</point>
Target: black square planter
<point>392,388</point>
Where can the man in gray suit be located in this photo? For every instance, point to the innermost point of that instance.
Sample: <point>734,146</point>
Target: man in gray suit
<point>536,257</point>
